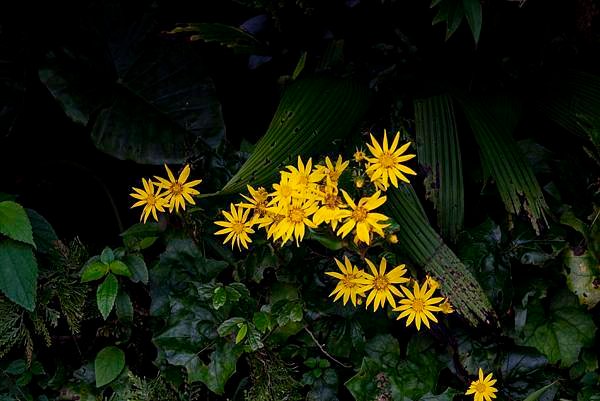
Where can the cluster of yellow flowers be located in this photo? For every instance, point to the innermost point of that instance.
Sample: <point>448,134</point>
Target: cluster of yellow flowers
<point>308,197</point>
<point>169,193</point>
<point>380,286</point>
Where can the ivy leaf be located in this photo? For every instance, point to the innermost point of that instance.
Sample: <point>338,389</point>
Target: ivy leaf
<point>222,366</point>
<point>109,363</point>
<point>561,332</point>
<point>18,273</point>
<point>119,268</point>
<point>106,295</point>
<point>94,271</point>
<point>14,222</point>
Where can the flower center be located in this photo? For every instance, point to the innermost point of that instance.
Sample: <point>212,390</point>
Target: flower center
<point>481,387</point>
<point>151,200</point>
<point>261,195</point>
<point>296,215</point>
<point>331,201</point>
<point>386,160</point>
<point>381,283</point>
<point>359,214</point>
<point>176,188</point>
<point>237,228</point>
<point>418,305</point>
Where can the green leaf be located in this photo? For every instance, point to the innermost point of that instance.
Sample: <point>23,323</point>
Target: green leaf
<point>107,256</point>
<point>536,395</point>
<point>18,273</point>
<point>447,395</point>
<point>560,332</point>
<point>109,363</point>
<point>472,10</point>
<point>299,66</point>
<point>262,321</point>
<point>120,268</point>
<point>123,307</point>
<point>241,334</point>
<point>439,153</point>
<point>424,246</point>
<point>184,254</point>
<point>492,122</point>
<point>16,367</point>
<point>138,268</point>
<point>219,297</point>
<point>226,35</point>
<point>106,295</point>
<point>222,366</point>
<point>312,113</point>
<point>44,235</point>
<point>14,222</point>
<point>94,271</point>
<point>582,277</point>
<point>229,326</point>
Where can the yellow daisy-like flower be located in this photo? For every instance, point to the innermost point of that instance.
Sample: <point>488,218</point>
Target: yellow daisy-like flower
<point>331,205</point>
<point>296,217</point>
<point>386,161</point>
<point>381,284</point>
<point>360,155</point>
<point>350,285</point>
<point>258,202</point>
<point>178,191</point>
<point>330,171</point>
<point>237,226</point>
<point>482,389</point>
<point>362,217</point>
<point>303,175</point>
<point>446,307</point>
<point>152,201</point>
<point>283,192</point>
<point>418,305</point>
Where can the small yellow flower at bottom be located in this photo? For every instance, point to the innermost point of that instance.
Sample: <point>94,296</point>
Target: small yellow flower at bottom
<point>152,201</point>
<point>482,389</point>
<point>350,284</point>
<point>237,226</point>
<point>418,305</point>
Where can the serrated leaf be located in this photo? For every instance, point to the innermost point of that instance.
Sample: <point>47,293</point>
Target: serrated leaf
<point>120,268</point>
<point>18,273</point>
<point>561,332</point>
<point>492,122</point>
<point>109,363</point>
<point>424,246</point>
<point>106,295</point>
<point>44,235</point>
<point>14,222</point>
<point>472,9</point>
<point>124,307</point>
<point>312,113</point>
<point>94,271</point>
<point>138,268</point>
<point>107,255</point>
<point>439,154</point>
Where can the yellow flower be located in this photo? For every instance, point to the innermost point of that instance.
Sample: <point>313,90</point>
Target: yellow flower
<point>386,161</point>
<point>419,305</point>
<point>331,205</point>
<point>152,201</point>
<point>360,155</point>
<point>295,219</point>
<point>446,307</point>
<point>392,238</point>
<point>359,182</point>
<point>482,389</point>
<point>350,285</point>
<point>381,283</point>
<point>303,176</point>
<point>332,172</point>
<point>432,283</point>
<point>284,191</point>
<point>258,202</point>
<point>177,191</point>
<point>237,226</point>
<point>362,217</point>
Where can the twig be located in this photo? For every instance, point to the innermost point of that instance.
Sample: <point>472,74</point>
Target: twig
<point>323,349</point>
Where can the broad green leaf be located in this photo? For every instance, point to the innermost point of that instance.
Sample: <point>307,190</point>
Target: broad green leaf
<point>14,222</point>
<point>44,235</point>
<point>109,363</point>
<point>583,273</point>
<point>536,395</point>
<point>124,307</point>
<point>16,367</point>
<point>241,334</point>
<point>120,268</point>
<point>226,35</point>
<point>222,366</point>
<point>439,153</point>
<point>472,10</point>
<point>447,395</point>
<point>140,230</point>
<point>94,271</point>
<point>423,245</point>
<point>219,297</point>
<point>18,273</point>
<point>312,112</point>
<point>492,122</point>
<point>107,256</point>
<point>230,325</point>
<point>262,321</point>
<point>561,331</point>
<point>184,254</point>
<point>106,295</point>
<point>138,268</point>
